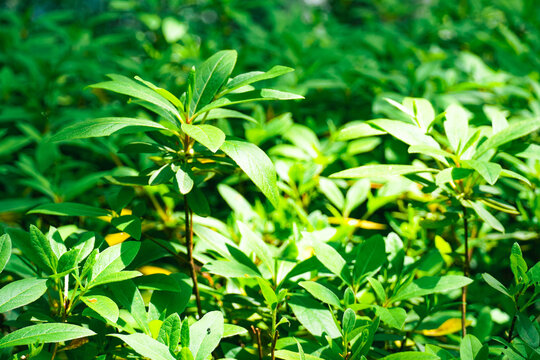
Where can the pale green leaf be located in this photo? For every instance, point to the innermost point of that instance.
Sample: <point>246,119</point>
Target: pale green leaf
<point>21,292</point>
<point>44,333</point>
<point>208,135</point>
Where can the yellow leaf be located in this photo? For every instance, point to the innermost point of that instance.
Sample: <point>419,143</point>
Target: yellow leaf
<point>444,248</point>
<point>450,326</point>
<point>125,212</point>
<point>155,326</point>
<point>150,270</point>
<point>116,238</point>
<point>363,224</point>
<point>105,218</point>
<point>408,343</point>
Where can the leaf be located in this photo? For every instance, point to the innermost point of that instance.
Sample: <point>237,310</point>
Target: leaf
<point>44,333</point>
<point>356,195</point>
<point>123,85</point>
<point>205,334</point>
<point>370,257</point>
<point>450,326</point>
<point>314,317</point>
<point>393,317</point>
<point>129,224</point>
<point>430,151</point>
<point>422,110</point>
<point>105,127</point>
<point>21,292</point>
<point>161,176</point>
<point>5,250</point>
<point>257,166</point>
<point>146,346</point>
<point>169,333</point>
<point>279,95</point>
<point>518,265</point>
<point>377,288</point>
<point>42,248</point>
<point>494,283</point>
<point>349,321</point>
<point>163,92</point>
<point>129,297</point>
<point>254,76</point>
<point>409,134</point>
<point>69,209</point>
<point>486,215</point>
<point>430,285</point>
<point>357,129</point>
<point>488,170</point>
<point>103,305</point>
<point>115,277</point>
<point>257,245</point>
<point>209,78</point>
<point>114,259</point>
<point>184,180</point>
<point>456,126</point>
<point>208,135</point>
<point>230,330</point>
<point>469,348</point>
<point>321,292</point>
<point>528,331</point>
<point>512,132</point>
<point>332,192</point>
<point>332,260</point>
<point>411,355</point>
<point>268,293</point>
<point>230,269</point>
<point>289,355</point>
<point>377,171</point>
<point>185,354</point>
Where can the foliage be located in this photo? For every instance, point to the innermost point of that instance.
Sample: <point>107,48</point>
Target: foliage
<point>136,229</point>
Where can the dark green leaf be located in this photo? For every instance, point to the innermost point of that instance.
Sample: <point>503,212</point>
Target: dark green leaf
<point>430,285</point>
<point>69,209</point>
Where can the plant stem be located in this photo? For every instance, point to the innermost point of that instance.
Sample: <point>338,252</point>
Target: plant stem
<point>257,333</point>
<point>275,333</point>
<point>465,273</point>
<point>189,245</point>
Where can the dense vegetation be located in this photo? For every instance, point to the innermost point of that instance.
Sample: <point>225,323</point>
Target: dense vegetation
<point>322,179</point>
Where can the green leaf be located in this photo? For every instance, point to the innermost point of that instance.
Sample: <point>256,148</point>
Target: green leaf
<point>185,354</point>
<point>333,261</point>
<point>469,348</point>
<point>161,176</point>
<point>518,265</point>
<point>5,250</point>
<point>103,305</point>
<point>279,95</point>
<point>456,126</point>
<point>21,292</point>
<point>169,333</point>
<point>486,215</point>
<point>488,170</point>
<point>377,288</point>
<point>205,334</point>
<point>268,293</point>
<point>184,179</point>
<point>230,330</point>
<point>44,333</point>
<point>254,76</point>
<point>257,166</point>
<point>496,284</point>
<point>314,317</point>
<point>430,151</point>
<point>393,317</point>
<point>230,269</point>
<point>128,223</point>
<point>115,277</point>
<point>146,346</point>
<point>163,92</point>
<point>321,292</point>
<point>332,192</point>
<point>289,355</point>
<point>123,85</point>
<point>69,209</point>
<point>411,355</point>
<point>370,257</point>
<point>105,127</point>
<point>409,134</point>
<point>129,297</point>
<point>430,285</point>
<point>356,195</point>
<point>422,110</point>
<point>357,129</point>
<point>209,78</point>
<point>208,135</point>
<point>349,321</point>
<point>512,132</point>
<point>42,248</point>
<point>378,171</point>
<point>514,175</point>
<point>114,259</point>
<point>67,262</point>
<point>527,331</point>
<point>257,245</point>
